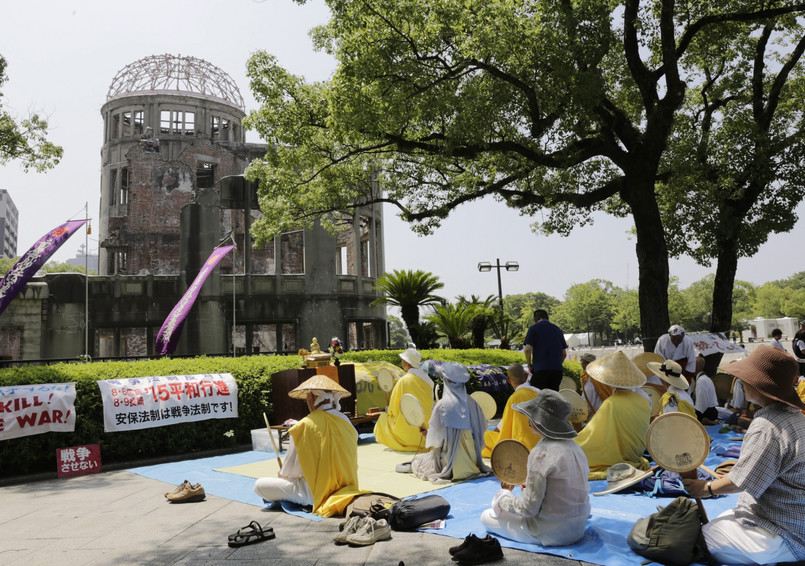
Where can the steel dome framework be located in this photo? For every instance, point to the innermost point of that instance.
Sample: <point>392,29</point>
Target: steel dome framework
<point>174,74</point>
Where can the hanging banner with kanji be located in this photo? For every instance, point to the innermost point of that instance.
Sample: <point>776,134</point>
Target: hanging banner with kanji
<point>26,410</point>
<point>148,402</point>
<point>27,266</point>
<point>168,335</point>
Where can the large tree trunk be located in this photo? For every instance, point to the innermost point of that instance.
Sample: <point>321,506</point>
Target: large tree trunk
<point>652,261</point>
<point>410,315</point>
<point>723,284</point>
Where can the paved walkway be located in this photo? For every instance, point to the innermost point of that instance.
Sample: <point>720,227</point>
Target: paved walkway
<point>118,517</point>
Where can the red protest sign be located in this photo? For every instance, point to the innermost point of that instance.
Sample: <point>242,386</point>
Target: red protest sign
<point>78,460</point>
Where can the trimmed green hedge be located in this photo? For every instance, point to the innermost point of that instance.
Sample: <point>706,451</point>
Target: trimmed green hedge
<point>32,454</point>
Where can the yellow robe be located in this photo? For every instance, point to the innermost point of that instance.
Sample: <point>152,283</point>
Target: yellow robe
<point>512,424</point>
<point>327,447</point>
<point>681,405</point>
<point>801,391</point>
<point>391,429</point>
<point>616,433</point>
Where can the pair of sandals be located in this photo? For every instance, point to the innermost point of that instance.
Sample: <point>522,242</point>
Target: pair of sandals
<point>250,534</point>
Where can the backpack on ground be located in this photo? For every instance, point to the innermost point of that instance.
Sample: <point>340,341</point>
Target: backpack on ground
<point>408,514</point>
<point>672,536</point>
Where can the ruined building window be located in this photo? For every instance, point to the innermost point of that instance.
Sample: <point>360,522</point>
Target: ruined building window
<point>126,124</point>
<point>205,175</point>
<point>121,259</point>
<point>364,246</point>
<point>292,250</point>
<point>177,122</point>
<point>112,187</point>
<point>139,123</point>
<point>220,129</point>
<point>115,131</point>
<point>124,186</point>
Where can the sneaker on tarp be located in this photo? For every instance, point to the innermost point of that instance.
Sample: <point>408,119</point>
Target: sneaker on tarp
<point>370,532</point>
<point>187,493</point>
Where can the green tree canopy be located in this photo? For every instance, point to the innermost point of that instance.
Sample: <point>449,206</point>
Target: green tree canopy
<point>568,106</point>
<point>736,151</point>
<point>25,140</point>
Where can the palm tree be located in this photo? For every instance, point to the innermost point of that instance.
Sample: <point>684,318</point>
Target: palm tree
<point>408,290</point>
<point>484,315</point>
<point>454,322</point>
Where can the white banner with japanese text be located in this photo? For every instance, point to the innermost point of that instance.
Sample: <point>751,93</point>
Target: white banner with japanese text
<point>26,410</point>
<point>147,402</point>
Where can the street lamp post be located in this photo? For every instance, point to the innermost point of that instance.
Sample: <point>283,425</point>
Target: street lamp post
<point>485,266</point>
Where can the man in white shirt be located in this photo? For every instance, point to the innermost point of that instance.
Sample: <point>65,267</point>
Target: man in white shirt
<point>775,342</point>
<point>676,346</point>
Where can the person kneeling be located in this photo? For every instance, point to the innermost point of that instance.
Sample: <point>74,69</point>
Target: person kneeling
<point>555,502</point>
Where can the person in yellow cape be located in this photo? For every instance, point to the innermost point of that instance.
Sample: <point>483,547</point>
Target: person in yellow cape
<point>321,464</point>
<point>676,397</point>
<point>617,431</point>
<point>391,428</point>
<point>513,424</point>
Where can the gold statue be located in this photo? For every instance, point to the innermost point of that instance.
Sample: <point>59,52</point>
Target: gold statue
<point>314,347</point>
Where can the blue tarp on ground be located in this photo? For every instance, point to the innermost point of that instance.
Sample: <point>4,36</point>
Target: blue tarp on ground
<point>604,542</point>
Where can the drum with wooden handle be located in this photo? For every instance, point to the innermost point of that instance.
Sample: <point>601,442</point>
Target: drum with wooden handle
<point>509,461</point>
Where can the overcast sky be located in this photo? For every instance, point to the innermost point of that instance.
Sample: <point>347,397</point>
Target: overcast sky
<point>62,56</point>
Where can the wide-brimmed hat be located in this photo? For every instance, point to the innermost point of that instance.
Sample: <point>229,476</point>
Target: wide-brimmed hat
<point>412,356</point>
<point>770,371</point>
<point>622,475</point>
<point>616,370</point>
<point>548,412</point>
<point>317,383</point>
<point>588,357</point>
<point>643,358</point>
<point>670,372</point>
<point>455,372</point>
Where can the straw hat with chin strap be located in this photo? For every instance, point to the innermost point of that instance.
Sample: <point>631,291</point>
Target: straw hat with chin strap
<point>670,372</point>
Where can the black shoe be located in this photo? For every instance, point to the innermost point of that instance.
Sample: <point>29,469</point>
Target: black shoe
<point>470,540</point>
<point>486,550</point>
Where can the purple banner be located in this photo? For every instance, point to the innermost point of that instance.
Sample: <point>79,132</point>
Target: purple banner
<point>27,266</point>
<point>169,333</point>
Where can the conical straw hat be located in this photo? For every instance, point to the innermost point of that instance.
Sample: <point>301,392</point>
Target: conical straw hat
<point>616,370</point>
<point>643,358</point>
<point>317,383</point>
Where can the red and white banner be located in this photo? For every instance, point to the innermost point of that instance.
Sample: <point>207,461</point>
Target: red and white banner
<point>147,402</point>
<point>26,410</point>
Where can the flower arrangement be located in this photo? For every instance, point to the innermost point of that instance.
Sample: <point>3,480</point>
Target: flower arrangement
<point>336,349</point>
